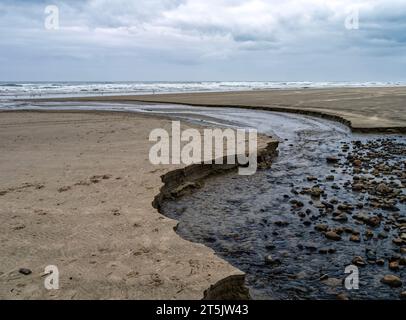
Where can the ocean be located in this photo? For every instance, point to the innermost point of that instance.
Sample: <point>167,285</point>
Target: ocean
<point>21,90</point>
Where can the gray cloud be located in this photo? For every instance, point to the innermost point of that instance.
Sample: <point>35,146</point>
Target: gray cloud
<point>203,40</point>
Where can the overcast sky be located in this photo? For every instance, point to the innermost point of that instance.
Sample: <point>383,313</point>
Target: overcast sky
<point>281,40</point>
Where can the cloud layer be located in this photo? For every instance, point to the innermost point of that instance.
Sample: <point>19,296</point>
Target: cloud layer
<point>204,40</point>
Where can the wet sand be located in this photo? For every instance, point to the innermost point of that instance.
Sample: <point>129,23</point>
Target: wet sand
<point>76,190</point>
<point>364,109</point>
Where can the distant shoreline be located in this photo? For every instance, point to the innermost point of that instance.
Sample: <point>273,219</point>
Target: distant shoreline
<point>363,109</point>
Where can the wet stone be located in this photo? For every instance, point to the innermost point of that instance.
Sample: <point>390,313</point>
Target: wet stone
<point>332,236</point>
<point>392,281</point>
<point>25,271</point>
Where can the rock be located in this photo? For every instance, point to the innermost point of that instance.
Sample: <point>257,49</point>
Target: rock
<point>392,281</point>
<point>394,257</point>
<point>334,201</point>
<point>333,282</point>
<point>330,178</point>
<point>397,241</point>
<point>324,277</point>
<point>383,189</point>
<point>332,159</point>
<point>402,261</point>
<point>358,261</point>
<point>361,217</point>
<point>402,295</point>
<point>348,230</point>
<point>342,296</point>
<point>316,192</point>
<point>269,260</point>
<point>321,227</point>
<point>345,207</point>
<point>355,238</point>
<point>380,262</point>
<point>341,218</point>
<point>332,236</point>
<point>374,221</point>
<point>357,187</point>
<point>281,223</point>
<point>25,271</point>
<point>369,234</point>
<point>394,265</point>
<point>311,178</point>
<point>371,254</point>
<point>310,246</point>
<point>307,223</point>
<point>357,163</point>
<point>270,246</point>
<point>338,230</point>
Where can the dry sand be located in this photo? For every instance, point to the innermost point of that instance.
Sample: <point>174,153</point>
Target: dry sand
<point>364,108</point>
<point>76,191</point>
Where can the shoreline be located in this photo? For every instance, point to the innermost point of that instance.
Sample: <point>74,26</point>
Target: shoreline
<point>350,106</point>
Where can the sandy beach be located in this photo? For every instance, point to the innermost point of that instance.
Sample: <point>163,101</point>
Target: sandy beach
<point>77,192</point>
<point>78,189</point>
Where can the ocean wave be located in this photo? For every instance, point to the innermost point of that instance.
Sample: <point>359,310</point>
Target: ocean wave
<point>57,89</point>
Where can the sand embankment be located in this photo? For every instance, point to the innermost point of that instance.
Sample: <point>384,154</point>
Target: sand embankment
<point>363,109</point>
<point>76,191</point>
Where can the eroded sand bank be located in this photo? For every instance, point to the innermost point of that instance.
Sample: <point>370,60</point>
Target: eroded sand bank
<point>76,191</point>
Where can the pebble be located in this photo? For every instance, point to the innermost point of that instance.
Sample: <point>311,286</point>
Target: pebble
<point>281,223</point>
<point>394,265</point>
<point>392,281</point>
<point>332,236</point>
<point>321,227</point>
<point>355,238</point>
<point>324,277</point>
<point>383,189</point>
<point>271,261</point>
<point>374,221</point>
<point>358,261</point>
<point>397,241</point>
<point>342,296</point>
<point>341,218</point>
<point>357,163</point>
<point>25,271</point>
<point>332,159</point>
<point>316,192</point>
<point>380,262</point>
